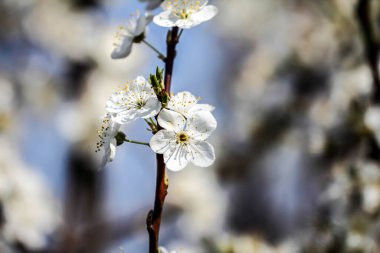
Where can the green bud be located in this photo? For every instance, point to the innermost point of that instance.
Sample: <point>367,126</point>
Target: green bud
<point>165,98</point>
<point>120,138</point>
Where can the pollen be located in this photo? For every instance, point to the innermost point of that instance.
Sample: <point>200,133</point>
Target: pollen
<point>183,9</point>
<point>182,138</point>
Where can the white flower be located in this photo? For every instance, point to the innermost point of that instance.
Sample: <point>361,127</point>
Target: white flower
<point>164,250</point>
<point>184,13</point>
<point>186,104</point>
<point>183,141</point>
<point>31,214</point>
<point>136,100</point>
<point>107,134</point>
<point>132,32</point>
<point>152,4</point>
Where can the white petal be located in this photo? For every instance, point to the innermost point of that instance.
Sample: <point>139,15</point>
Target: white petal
<point>162,250</point>
<point>204,154</point>
<point>152,108</point>
<point>176,158</point>
<point>106,157</point>
<point>206,13</point>
<point>140,80</point>
<point>186,23</point>
<point>172,121</point>
<point>161,141</point>
<point>164,19</point>
<point>109,152</point>
<point>125,116</point>
<point>202,107</point>
<point>201,124</point>
<point>113,150</point>
<point>140,26</point>
<point>124,49</point>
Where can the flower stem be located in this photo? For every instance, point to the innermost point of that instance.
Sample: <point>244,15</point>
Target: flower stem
<point>180,33</point>
<point>160,55</point>
<point>153,220</point>
<point>137,142</point>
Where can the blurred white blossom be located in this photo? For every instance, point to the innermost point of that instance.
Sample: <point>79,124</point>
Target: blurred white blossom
<point>133,32</point>
<point>30,211</point>
<point>164,250</point>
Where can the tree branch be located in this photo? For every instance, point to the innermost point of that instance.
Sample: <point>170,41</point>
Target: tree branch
<point>154,217</point>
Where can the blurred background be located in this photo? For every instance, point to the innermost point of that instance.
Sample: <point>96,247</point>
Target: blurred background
<point>297,91</point>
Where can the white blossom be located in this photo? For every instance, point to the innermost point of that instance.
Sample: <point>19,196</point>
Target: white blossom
<point>184,140</point>
<point>30,212</point>
<point>152,4</point>
<point>164,250</point>
<point>107,134</point>
<point>184,14</point>
<point>186,104</point>
<point>129,34</point>
<point>136,100</point>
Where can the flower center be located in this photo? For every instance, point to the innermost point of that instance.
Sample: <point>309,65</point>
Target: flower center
<point>184,8</point>
<point>182,138</point>
<point>140,104</point>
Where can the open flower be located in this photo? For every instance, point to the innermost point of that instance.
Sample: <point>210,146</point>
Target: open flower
<point>133,32</point>
<point>184,14</point>
<point>136,100</point>
<point>183,140</point>
<point>186,104</point>
<point>107,134</point>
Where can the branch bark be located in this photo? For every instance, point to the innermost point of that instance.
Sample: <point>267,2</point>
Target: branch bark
<point>154,216</point>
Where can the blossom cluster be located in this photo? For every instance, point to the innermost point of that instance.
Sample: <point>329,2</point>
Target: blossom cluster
<point>183,14</point>
<point>184,124</point>
<point>180,125</point>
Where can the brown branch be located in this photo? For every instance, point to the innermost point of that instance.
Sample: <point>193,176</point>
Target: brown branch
<point>154,217</point>
<point>372,47</point>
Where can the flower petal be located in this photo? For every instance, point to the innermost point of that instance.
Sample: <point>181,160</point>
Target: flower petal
<point>206,13</point>
<point>164,19</point>
<point>109,152</point>
<point>161,141</point>
<point>186,23</point>
<point>113,150</point>
<point>201,124</point>
<point>202,107</point>
<point>176,158</point>
<point>152,108</point>
<point>140,25</point>
<point>125,116</point>
<point>172,121</point>
<point>203,154</point>
<point>123,49</point>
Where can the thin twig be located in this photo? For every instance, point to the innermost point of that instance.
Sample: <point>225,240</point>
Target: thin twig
<point>160,55</point>
<point>137,142</point>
